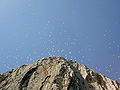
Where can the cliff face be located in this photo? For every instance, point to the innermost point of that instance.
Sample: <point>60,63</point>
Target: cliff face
<point>55,74</point>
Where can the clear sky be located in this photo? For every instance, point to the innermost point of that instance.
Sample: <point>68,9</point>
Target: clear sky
<point>87,31</point>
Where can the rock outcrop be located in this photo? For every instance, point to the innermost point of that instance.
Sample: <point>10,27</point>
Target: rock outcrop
<point>55,73</point>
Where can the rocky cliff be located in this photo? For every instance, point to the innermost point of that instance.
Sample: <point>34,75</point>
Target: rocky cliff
<point>55,73</point>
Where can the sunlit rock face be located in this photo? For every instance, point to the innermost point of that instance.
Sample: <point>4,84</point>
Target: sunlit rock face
<point>55,73</point>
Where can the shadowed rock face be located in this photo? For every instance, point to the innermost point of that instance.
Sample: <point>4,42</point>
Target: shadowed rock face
<point>55,73</point>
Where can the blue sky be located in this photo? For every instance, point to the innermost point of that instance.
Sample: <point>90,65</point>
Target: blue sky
<point>86,31</point>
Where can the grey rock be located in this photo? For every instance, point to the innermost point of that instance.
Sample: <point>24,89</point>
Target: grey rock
<point>55,73</point>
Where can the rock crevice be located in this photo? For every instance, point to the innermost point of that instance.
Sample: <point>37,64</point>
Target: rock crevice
<point>25,80</point>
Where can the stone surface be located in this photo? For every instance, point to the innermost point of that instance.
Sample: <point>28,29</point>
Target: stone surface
<point>55,73</point>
